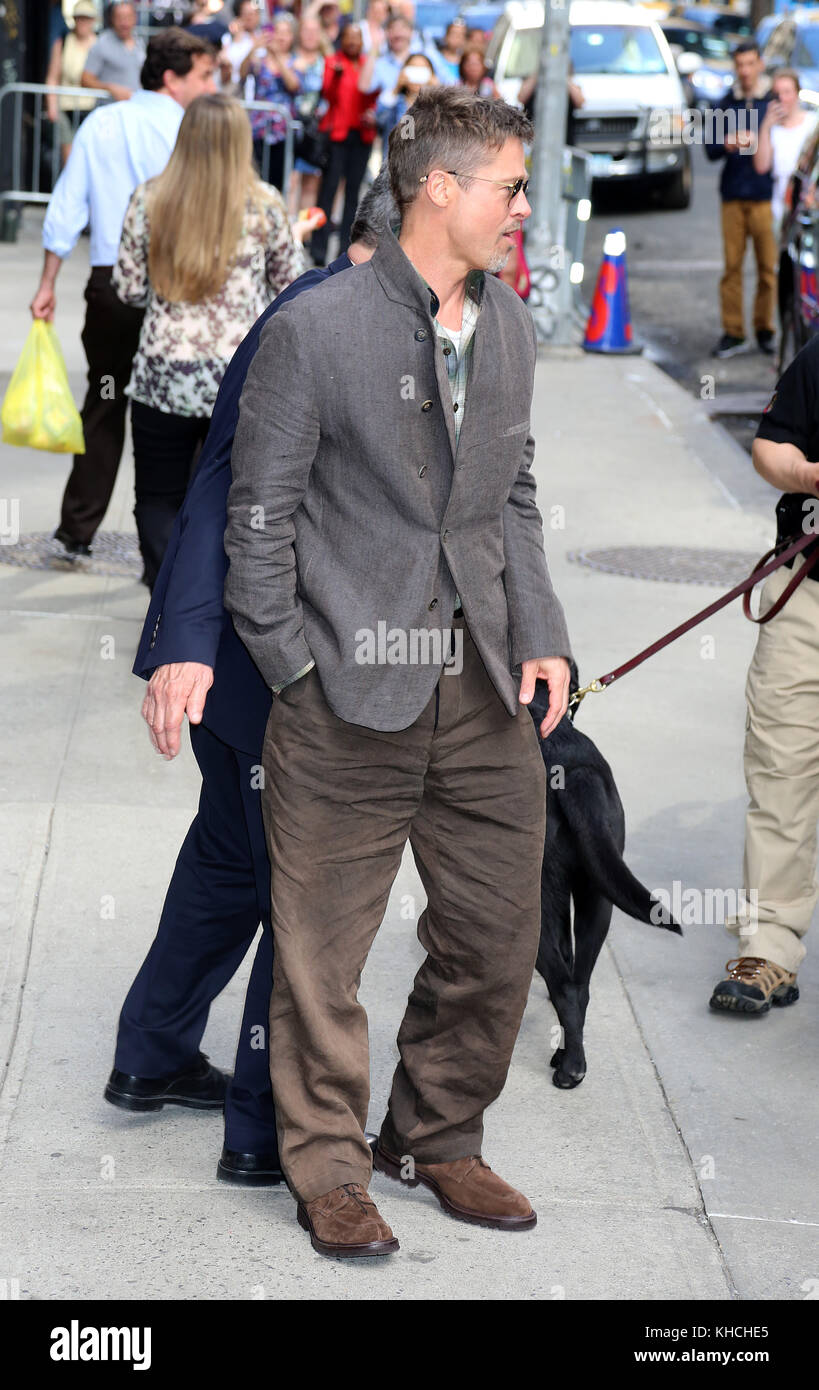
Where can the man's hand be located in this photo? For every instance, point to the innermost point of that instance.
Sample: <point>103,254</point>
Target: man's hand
<point>44,302</point>
<point>174,691</point>
<point>554,670</point>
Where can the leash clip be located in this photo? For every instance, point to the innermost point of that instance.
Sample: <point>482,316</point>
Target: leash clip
<point>592,688</point>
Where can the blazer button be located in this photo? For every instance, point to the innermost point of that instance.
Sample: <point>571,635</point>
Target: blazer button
<point>422,470</point>
<point>421,335</point>
<point>433,603</point>
<point>427,405</point>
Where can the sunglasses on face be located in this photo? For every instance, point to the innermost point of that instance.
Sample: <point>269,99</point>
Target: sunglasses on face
<point>512,189</point>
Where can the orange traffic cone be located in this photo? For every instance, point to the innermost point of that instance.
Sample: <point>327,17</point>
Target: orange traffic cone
<point>609,325</point>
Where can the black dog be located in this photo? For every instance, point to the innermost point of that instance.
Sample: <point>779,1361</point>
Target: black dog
<point>583,866</point>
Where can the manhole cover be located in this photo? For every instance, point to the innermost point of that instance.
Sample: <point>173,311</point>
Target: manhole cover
<point>113,552</point>
<point>670,564</point>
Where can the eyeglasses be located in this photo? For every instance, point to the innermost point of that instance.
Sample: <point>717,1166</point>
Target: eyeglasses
<point>513,189</point>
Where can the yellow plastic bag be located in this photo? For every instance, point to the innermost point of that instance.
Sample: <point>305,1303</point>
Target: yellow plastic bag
<point>38,409</point>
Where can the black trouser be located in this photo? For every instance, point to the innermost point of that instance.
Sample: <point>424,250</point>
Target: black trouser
<point>219,892</point>
<point>166,448</point>
<point>270,162</point>
<point>348,160</point>
<point>110,337</point>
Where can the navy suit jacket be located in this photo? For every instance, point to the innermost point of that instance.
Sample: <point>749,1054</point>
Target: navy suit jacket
<point>187,619</point>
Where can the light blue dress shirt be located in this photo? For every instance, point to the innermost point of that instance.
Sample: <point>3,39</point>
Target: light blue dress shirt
<point>118,146</point>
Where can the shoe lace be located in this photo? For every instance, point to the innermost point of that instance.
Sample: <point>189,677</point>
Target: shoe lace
<point>355,1190</point>
<point>745,967</point>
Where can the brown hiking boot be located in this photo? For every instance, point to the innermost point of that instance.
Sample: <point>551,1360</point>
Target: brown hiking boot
<point>467,1189</point>
<point>346,1223</point>
<point>753,985</point>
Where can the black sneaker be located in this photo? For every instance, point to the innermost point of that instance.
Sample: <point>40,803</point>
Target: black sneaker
<point>74,550</point>
<point>729,347</point>
<point>766,341</point>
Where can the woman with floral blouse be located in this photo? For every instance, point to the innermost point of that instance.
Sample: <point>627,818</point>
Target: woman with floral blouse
<point>205,247</point>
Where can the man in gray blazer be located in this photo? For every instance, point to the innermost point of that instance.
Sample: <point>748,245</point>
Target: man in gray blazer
<point>387,575</point>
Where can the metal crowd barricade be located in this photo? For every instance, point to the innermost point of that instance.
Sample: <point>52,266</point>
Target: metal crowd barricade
<point>34,150</point>
<point>33,143</point>
<point>293,127</point>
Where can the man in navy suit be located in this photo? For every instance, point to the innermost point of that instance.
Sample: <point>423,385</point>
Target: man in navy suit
<point>220,889</point>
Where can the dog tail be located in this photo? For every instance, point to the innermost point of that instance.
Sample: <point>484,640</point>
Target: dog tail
<point>601,856</point>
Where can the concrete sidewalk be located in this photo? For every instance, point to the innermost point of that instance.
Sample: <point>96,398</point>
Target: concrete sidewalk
<point>682,1168</point>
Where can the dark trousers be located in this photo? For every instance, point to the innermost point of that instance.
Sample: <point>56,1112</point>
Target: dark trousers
<point>219,892</point>
<point>270,162</point>
<point>348,160</point>
<point>110,338</point>
<point>166,448</point>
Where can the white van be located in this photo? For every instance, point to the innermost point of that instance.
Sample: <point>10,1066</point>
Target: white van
<point>632,117</point>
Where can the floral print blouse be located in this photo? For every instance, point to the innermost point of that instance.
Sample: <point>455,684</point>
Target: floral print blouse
<point>184,349</point>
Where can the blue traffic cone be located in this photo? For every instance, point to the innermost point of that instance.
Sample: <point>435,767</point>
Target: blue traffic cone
<point>609,325</point>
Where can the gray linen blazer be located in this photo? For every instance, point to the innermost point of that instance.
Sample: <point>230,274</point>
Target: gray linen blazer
<point>350,505</point>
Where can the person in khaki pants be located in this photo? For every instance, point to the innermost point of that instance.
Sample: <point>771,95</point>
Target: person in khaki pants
<point>382,484</point>
<point>782,728</point>
<point>746,203</point>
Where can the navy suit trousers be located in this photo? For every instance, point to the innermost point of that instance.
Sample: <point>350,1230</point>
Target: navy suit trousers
<point>218,895</point>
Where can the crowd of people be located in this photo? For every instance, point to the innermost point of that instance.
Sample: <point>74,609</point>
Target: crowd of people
<point>341,85</point>
<point>173,167</point>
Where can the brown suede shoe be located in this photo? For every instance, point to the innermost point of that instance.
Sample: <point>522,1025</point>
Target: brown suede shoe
<point>467,1189</point>
<point>753,985</point>
<point>346,1223</point>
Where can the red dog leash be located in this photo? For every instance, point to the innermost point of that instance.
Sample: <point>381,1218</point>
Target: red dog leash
<point>762,569</point>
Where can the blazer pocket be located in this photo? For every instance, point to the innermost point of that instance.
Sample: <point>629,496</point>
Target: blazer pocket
<point>515,429</point>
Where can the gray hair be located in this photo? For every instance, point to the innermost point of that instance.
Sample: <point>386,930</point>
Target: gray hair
<point>284,17</point>
<point>376,211</point>
<point>448,128</point>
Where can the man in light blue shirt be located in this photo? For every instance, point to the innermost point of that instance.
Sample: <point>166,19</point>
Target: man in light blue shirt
<point>117,147</point>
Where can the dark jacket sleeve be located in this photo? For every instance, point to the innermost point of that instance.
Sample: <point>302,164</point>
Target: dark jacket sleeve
<point>714,147</point>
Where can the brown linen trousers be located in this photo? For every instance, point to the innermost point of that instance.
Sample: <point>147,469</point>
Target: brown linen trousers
<point>465,783</point>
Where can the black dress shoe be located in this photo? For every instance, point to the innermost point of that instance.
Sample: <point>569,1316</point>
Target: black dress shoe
<point>249,1170</point>
<point>200,1087</point>
<point>73,549</point>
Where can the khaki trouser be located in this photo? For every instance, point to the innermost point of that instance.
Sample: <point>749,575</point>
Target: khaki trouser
<point>466,784</point>
<point>742,219</point>
<point>782,774</point>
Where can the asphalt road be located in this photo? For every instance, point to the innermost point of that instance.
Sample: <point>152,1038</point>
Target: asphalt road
<point>674,268</point>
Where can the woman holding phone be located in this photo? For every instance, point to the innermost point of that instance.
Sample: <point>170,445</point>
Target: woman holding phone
<point>782,134</point>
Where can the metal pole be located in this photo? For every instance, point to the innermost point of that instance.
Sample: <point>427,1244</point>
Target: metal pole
<point>545,237</point>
